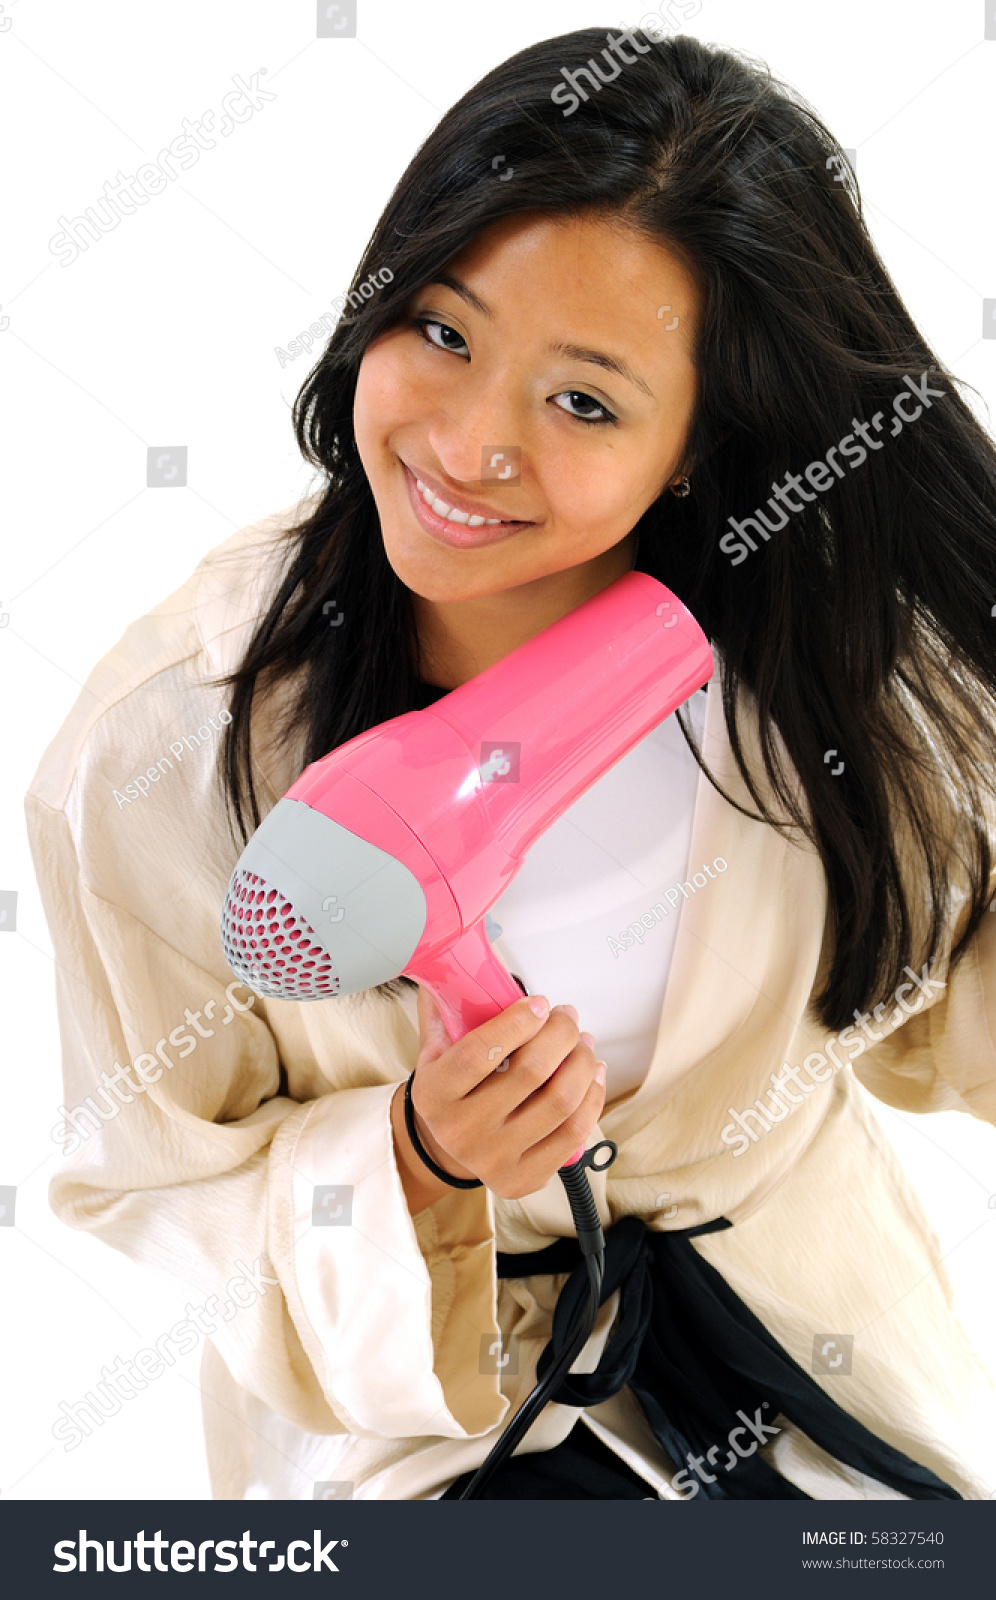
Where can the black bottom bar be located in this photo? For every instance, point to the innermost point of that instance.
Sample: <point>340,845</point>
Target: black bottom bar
<point>395,1549</point>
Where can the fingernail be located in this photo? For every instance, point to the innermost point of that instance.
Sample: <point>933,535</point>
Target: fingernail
<point>570,1012</point>
<point>600,1071</point>
<point>589,1040</point>
<point>538,1004</point>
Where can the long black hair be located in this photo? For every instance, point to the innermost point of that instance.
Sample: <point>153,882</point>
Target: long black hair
<point>863,628</point>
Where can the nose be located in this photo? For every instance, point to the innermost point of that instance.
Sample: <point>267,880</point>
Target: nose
<point>484,419</point>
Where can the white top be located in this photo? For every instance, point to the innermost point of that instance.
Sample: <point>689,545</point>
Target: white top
<point>570,922</point>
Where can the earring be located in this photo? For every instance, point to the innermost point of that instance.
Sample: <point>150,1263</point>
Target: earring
<point>682,488</point>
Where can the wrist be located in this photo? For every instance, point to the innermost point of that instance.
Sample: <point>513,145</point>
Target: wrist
<point>436,1168</point>
<point>421,1187</point>
<point>428,1151</point>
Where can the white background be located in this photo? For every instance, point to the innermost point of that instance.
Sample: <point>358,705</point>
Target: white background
<point>164,331</point>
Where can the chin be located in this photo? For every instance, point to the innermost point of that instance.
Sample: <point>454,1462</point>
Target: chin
<point>446,588</point>
<point>445,577</point>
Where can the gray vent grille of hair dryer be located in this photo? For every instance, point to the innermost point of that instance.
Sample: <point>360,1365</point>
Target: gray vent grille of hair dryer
<point>273,949</point>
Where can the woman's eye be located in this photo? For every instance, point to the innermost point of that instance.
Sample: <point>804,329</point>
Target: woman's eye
<point>576,395</point>
<point>424,324</point>
<point>434,332</point>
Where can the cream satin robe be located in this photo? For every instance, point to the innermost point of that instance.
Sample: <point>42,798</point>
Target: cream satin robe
<point>362,1365</point>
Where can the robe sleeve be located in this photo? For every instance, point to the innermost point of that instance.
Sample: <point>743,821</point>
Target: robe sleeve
<point>187,1148</point>
<point>942,1056</point>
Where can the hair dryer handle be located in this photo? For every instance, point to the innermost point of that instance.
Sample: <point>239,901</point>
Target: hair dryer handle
<point>470,985</point>
<point>468,982</point>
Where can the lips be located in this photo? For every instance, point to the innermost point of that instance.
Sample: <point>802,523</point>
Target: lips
<point>467,525</point>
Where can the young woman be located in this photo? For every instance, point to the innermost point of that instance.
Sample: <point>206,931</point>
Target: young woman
<point>661,307</point>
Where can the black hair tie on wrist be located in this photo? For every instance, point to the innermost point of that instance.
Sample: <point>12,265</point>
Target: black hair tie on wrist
<point>422,1152</point>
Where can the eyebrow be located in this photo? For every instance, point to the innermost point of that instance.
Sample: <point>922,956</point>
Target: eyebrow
<point>575,352</point>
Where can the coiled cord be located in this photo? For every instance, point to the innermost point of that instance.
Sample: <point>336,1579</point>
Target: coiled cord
<point>592,1242</point>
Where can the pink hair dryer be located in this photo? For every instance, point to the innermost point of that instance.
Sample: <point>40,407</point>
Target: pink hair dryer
<point>384,856</point>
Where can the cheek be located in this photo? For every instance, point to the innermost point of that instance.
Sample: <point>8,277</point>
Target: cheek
<point>601,492</point>
<point>385,394</point>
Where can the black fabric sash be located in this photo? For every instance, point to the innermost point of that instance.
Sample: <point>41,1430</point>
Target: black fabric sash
<point>700,1363</point>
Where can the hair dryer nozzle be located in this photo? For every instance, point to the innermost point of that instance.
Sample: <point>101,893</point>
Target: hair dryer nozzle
<point>314,910</point>
<point>273,949</point>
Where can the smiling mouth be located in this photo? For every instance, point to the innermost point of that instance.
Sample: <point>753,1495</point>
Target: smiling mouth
<point>460,516</point>
<point>451,514</point>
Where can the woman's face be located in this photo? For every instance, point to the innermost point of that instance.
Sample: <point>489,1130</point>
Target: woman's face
<point>547,382</point>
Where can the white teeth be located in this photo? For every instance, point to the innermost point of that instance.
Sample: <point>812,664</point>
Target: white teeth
<point>464,518</point>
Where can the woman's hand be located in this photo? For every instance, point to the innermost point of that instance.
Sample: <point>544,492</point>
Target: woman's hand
<point>507,1104</point>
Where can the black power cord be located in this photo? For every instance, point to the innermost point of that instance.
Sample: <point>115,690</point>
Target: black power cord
<point>592,1242</point>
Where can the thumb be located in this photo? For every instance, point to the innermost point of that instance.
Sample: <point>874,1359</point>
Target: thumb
<point>432,1029</point>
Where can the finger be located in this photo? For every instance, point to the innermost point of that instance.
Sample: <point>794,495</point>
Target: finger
<point>432,1029</point>
<point>557,1099</point>
<point>474,1057</point>
<point>555,1148</point>
<point>532,1065</point>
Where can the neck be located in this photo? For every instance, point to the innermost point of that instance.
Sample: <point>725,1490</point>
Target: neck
<point>459,638</point>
